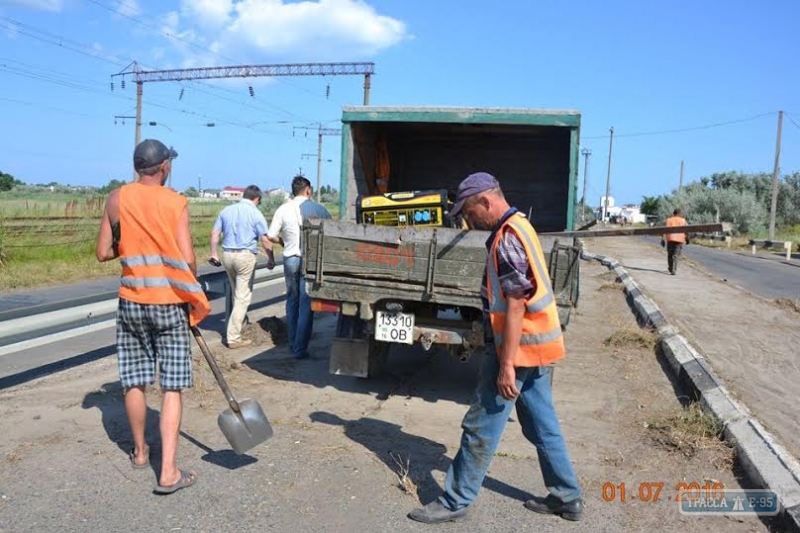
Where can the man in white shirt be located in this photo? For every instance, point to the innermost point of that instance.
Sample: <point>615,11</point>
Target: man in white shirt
<point>286,230</point>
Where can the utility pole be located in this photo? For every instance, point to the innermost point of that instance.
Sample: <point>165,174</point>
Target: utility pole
<point>775,175</point>
<point>586,152</point>
<point>608,174</point>
<point>199,184</point>
<point>680,181</point>
<point>320,132</point>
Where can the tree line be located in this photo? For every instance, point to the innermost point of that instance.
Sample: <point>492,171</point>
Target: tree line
<point>742,199</point>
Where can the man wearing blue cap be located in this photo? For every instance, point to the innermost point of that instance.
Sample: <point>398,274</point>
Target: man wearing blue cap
<point>527,339</point>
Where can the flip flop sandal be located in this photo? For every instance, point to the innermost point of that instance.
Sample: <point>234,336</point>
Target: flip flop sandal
<point>134,464</point>
<point>187,479</point>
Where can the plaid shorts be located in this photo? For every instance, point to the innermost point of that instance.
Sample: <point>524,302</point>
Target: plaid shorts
<point>148,334</point>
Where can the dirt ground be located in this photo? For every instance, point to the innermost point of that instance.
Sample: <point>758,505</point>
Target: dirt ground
<point>357,455</point>
<point>750,342</point>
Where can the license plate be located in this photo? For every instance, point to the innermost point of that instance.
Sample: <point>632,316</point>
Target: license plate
<point>394,327</point>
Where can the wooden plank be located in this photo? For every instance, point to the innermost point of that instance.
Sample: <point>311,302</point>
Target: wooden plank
<point>657,230</point>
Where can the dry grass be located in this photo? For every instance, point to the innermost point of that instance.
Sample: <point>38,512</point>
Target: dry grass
<point>629,336</point>
<point>788,303</point>
<point>404,482</point>
<point>690,431</point>
<point>611,286</point>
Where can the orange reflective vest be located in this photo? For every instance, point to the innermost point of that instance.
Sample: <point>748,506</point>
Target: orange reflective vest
<point>542,342</point>
<point>675,237</point>
<point>153,268</point>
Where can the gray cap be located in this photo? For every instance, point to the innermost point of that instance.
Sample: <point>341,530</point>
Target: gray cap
<point>150,153</point>
<point>472,185</point>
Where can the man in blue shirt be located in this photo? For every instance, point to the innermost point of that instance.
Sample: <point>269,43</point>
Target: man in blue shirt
<point>242,226</point>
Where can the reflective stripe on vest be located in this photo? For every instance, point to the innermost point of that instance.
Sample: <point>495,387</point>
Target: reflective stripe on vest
<point>138,283</point>
<point>153,260</point>
<point>533,338</point>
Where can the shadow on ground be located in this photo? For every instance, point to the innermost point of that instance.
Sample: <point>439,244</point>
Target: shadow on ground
<point>410,371</point>
<point>403,452</point>
<point>109,400</point>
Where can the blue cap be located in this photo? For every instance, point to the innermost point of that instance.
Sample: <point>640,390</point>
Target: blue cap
<point>472,185</point>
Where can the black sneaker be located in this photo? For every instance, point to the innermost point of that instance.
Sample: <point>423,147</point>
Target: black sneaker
<point>436,513</point>
<point>551,505</point>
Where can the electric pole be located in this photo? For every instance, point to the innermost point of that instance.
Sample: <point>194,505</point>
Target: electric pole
<point>586,152</point>
<point>320,132</point>
<point>199,184</point>
<point>680,181</point>
<point>775,175</point>
<point>608,174</point>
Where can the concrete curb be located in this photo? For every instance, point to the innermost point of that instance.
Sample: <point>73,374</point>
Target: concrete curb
<point>767,464</point>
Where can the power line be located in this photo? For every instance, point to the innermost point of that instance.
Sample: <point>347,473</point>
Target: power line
<point>683,130</point>
<point>75,46</point>
<point>787,115</point>
<point>179,38</point>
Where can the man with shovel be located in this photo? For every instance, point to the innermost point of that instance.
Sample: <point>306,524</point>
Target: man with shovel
<point>146,226</point>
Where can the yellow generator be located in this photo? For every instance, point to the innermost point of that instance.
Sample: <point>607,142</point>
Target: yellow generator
<point>417,208</point>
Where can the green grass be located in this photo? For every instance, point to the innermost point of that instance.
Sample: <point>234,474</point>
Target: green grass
<point>37,258</point>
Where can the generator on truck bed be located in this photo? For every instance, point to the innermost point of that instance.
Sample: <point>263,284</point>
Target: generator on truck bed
<point>405,282</point>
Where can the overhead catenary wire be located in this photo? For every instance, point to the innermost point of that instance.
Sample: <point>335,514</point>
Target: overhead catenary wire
<point>61,41</point>
<point>684,130</point>
<point>170,35</point>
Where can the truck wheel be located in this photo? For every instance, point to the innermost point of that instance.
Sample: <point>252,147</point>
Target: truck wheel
<point>377,358</point>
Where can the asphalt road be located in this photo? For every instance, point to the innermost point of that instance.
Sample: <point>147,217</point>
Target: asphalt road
<point>766,275</point>
<point>62,353</point>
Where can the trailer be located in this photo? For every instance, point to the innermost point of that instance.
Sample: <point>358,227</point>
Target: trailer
<point>420,283</point>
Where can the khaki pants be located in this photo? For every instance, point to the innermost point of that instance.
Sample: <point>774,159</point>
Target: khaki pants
<point>240,267</point>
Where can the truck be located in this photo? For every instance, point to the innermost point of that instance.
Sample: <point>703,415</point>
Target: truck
<point>418,279</point>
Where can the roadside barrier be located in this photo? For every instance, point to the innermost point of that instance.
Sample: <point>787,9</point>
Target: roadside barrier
<point>772,245</point>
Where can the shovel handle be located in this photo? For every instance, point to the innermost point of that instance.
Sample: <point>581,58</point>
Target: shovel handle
<point>226,390</point>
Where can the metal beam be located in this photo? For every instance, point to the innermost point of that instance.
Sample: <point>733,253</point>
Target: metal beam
<point>249,71</point>
<point>657,230</point>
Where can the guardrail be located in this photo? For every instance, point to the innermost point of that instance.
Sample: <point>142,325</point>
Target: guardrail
<point>715,237</point>
<point>21,325</point>
<point>772,245</point>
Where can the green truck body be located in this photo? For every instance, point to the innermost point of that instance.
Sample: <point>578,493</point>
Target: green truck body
<point>431,273</point>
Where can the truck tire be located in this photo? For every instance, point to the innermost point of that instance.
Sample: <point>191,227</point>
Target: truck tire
<point>378,357</point>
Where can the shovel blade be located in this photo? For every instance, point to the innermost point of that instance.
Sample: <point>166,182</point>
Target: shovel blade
<point>246,429</point>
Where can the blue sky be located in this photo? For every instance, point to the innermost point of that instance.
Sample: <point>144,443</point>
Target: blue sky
<point>641,67</point>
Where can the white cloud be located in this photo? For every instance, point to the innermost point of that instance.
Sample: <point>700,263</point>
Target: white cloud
<point>43,5</point>
<point>341,30</point>
<point>208,13</point>
<point>130,8</point>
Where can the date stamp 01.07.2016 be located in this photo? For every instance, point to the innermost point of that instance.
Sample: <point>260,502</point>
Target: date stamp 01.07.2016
<point>693,497</point>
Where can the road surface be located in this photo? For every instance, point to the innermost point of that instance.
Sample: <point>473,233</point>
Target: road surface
<point>766,275</point>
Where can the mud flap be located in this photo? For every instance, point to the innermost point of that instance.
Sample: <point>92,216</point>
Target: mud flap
<point>349,357</point>
<point>565,277</point>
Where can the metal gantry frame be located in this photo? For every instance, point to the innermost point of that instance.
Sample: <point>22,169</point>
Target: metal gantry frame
<point>140,76</point>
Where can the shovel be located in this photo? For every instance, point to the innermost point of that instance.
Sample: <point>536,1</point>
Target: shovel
<point>244,423</point>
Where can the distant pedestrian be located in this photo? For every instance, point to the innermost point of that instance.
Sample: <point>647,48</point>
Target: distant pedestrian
<point>674,241</point>
<point>242,227</point>
<point>286,230</point>
<point>527,339</point>
<point>147,226</point>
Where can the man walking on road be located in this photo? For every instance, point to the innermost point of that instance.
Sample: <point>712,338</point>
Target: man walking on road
<point>674,241</point>
<point>242,227</point>
<point>518,300</point>
<point>147,227</point>
<point>286,230</point>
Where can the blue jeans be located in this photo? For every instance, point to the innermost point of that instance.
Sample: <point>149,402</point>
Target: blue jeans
<point>483,427</point>
<point>299,318</point>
